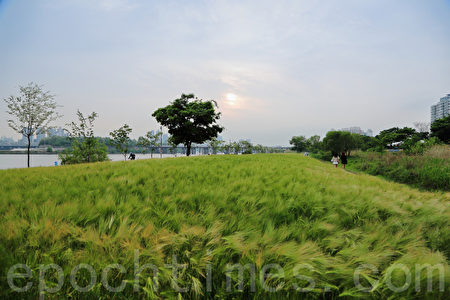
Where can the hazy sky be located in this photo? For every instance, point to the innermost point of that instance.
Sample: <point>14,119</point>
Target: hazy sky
<point>276,68</point>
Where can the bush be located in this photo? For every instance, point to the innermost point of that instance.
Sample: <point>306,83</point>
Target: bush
<point>323,155</point>
<point>430,170</point>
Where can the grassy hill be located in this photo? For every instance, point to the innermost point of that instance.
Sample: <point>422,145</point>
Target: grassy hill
<point>299,214</point>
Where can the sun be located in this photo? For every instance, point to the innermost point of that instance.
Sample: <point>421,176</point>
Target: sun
<point>231,98</point>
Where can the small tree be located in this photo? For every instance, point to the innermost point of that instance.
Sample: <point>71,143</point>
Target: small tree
<point>33,111</point>
<point>173,146</point>
<point>227,147</point>
<point>151,141</point>
<point>85,146</point>
<point>215,145</point>
<point>190,120</point>
<point>247,147</point>
<point>120,138</point>
<point>237,147</point>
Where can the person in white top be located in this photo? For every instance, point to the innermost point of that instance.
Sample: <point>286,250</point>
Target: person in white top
<point>335,160</point>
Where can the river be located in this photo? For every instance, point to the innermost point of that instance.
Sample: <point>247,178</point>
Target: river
<point>11,161</point>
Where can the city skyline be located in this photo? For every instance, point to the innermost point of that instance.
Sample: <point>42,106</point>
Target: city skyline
<point>276,69</point>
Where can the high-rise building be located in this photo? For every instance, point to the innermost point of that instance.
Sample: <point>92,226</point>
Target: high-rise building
<point>441,109</point>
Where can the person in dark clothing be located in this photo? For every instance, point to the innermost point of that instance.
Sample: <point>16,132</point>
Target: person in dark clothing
<point>343,160</point>
<point>132,156</point>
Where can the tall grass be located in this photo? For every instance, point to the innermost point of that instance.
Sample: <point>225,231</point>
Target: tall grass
<point>430,170</point>
<point>216,211</point>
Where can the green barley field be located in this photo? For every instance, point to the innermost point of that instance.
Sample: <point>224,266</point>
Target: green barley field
<point>296,227</point>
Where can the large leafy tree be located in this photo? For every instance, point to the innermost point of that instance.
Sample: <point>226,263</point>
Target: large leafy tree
<point>340,141</point>
<point>190,120</point>
<point>395,135</point>
<point>313,143</point>
<point>85,146</point>
<point>441,129</point>
<point>33,111</point>
<point>299,143</point>
<point>120,138</point>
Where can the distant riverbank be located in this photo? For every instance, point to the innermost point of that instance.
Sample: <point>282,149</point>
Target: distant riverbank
<point>19,160</point>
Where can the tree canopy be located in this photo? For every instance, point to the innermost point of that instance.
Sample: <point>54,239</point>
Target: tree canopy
<point>340,141</point>
<point>32,112</point>
<point>120,138</point>
<point>299,143</point>
<point>395,135</point>
<point>190,120</point>
<point>441,129</point>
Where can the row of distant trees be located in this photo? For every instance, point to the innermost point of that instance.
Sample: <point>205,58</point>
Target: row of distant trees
<point>411,140</point>
<point>189,121</point>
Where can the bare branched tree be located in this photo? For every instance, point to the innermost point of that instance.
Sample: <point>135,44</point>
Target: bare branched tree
<point>33,111</point>
<point>422,126</point>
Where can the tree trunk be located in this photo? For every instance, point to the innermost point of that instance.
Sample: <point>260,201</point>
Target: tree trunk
<point>28,151</point>
<point>188,149</point>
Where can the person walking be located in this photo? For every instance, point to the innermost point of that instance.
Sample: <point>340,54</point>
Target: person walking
<point>335,160</point>
<point>343,159</point>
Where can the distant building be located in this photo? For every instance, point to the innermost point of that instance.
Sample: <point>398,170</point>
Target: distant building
<point>165,139</point>
<point>441,109</point>
<point>59,131</point>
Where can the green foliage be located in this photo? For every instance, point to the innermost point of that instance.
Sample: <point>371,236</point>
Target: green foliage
<point>214,210</point>
<point>441,129</point>
<point>420,146</point>
<point>322,155</point>
<point>259,148</point>
<point>395,135</point>
<point>190,120</point>
<point>120,139</point>
<point>86,147</point>
<point>215,145</point>
<point>56,141</point>
<point>430,170</point>
<point>299,143</point>
<point>150,141</point>
<point>173,146</point>
<point>313,144</point>
<point>340,141</point>
<point>246,146</point>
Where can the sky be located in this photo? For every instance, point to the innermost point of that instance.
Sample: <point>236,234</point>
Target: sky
<point>276,68</point>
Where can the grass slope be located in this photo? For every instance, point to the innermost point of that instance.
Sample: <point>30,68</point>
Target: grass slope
<point>219,210</point>
<point>430,170</point>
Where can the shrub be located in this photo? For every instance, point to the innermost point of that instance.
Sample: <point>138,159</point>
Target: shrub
<point>430,170</point>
